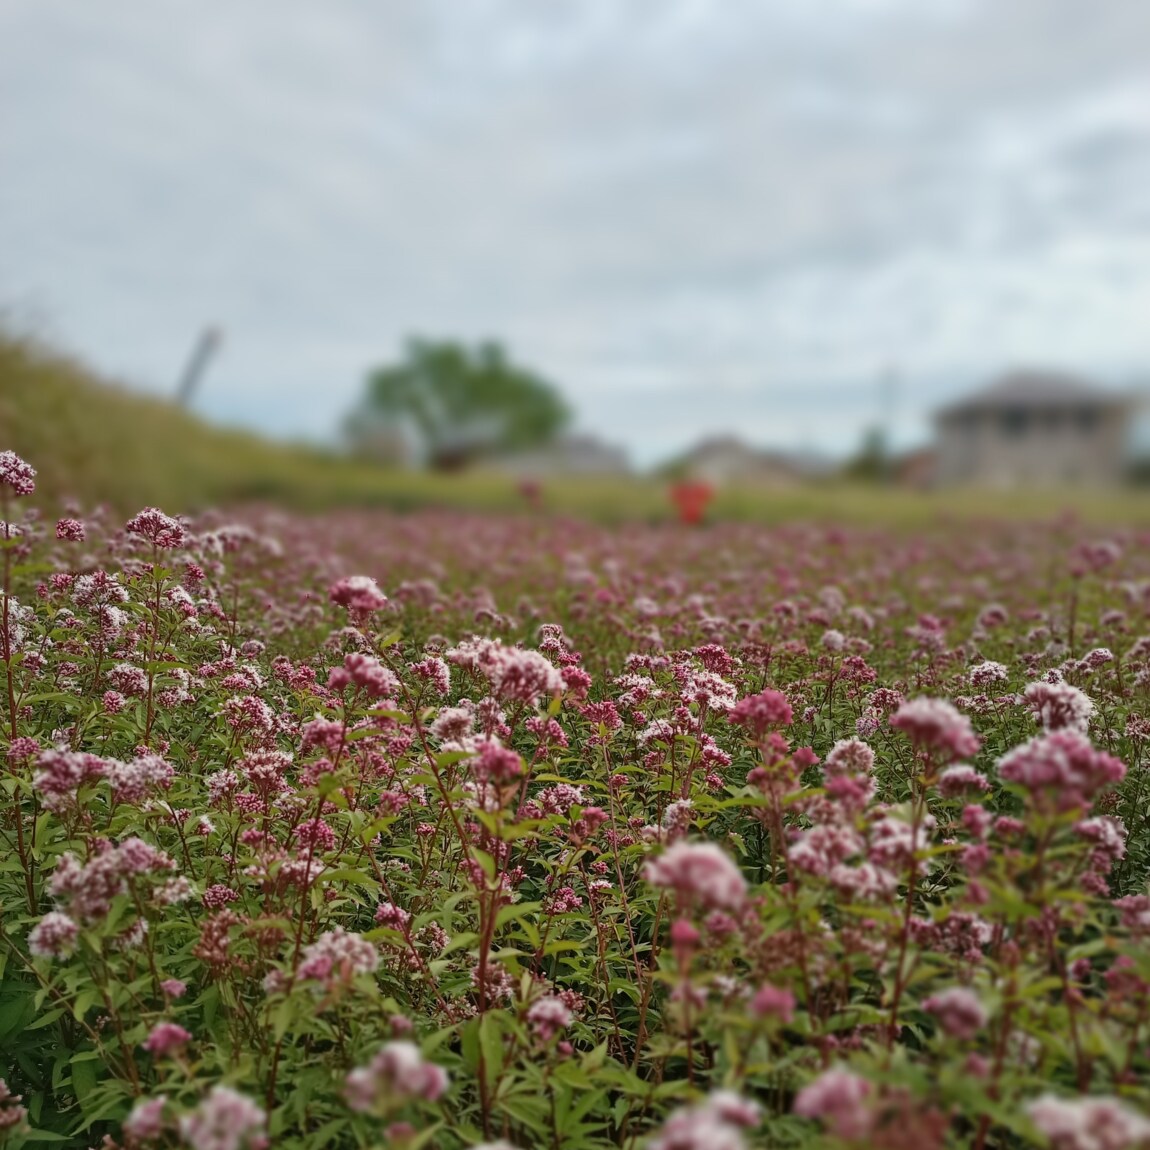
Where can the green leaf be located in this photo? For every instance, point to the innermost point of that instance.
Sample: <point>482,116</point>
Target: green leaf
<point>491,1043</point>
<point>515,911</point>
<point>84,1002</point>
<point>84,1079</point>
<point>46,1019</point>
<point>593,1059</point>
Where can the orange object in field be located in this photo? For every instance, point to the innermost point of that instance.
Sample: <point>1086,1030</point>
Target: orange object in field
<point>690,498</point>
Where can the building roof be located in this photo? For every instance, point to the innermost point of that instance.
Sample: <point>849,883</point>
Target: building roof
<point>731,452</point>
<point>568,454</point>
<point>722,445</point>
<point>1035,390</point>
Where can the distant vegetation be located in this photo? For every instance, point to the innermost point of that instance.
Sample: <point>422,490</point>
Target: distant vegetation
<point>97,442</point>
<point>460,404</point>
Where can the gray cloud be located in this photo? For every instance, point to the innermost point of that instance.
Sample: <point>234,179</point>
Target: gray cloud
<point>715,212</point>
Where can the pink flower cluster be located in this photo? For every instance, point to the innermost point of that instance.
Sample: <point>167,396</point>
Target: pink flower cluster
<point>397,1074</point>
<point>701,873</point>
<point>337,957</point>
<point>841,1100</point>
<point>1062,770</point>
<point>767,711</point>
<point>1059,706</point>
<point>958,1011</point>
<point>157,528</point>
<point>54,935</point>
<point>935,725</point>
<point>365,672</point>
<point>716,1123</point>
<point>1088,1123</point>
<point>88,888</point>
<point>16,474</point>
<point>166,1038</point>
<point>61,773</point>
<point>12,1114</point>
<point>549,1017</point>
<point>225,1120</point>
<point>360,594</point>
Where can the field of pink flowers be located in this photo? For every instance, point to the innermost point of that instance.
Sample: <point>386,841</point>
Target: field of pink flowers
<point>451,831</point>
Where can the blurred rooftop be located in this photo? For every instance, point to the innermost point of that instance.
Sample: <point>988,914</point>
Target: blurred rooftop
<point>1036,388</point>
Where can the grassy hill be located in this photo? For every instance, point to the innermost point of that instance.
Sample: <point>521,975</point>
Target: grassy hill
<point>91,439</point>
<point>96,441</point>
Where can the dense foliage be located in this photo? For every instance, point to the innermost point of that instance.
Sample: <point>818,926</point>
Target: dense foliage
<point>448,831</point>
<point>461,403</point>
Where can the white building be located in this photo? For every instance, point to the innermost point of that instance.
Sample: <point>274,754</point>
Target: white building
<point>1034,429</point>
<point>568,455</point>
<point>725,459</point>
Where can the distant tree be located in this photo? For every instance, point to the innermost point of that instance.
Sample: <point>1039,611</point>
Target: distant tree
<point>461,403</point>
<point>872,461</point>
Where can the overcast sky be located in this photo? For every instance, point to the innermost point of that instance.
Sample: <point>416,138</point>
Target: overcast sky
<point>693,215</point>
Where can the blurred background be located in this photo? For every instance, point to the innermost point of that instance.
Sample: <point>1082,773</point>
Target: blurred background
<point>732,255</point>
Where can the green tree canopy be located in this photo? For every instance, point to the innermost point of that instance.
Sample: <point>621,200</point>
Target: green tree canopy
<point>872,461</point>
<point>461,403</point>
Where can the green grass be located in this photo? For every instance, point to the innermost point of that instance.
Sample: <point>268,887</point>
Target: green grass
<point>98,442</point>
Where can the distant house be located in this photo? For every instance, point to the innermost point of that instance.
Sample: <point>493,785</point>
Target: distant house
<point>380,443</point>
<point>1033,428</point>
<point>917,469</point>
<point>568,455</point>
<point>725,459</point>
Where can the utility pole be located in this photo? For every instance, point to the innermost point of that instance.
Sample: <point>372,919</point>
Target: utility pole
<point>206,345</point>
<point>888,388</point>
